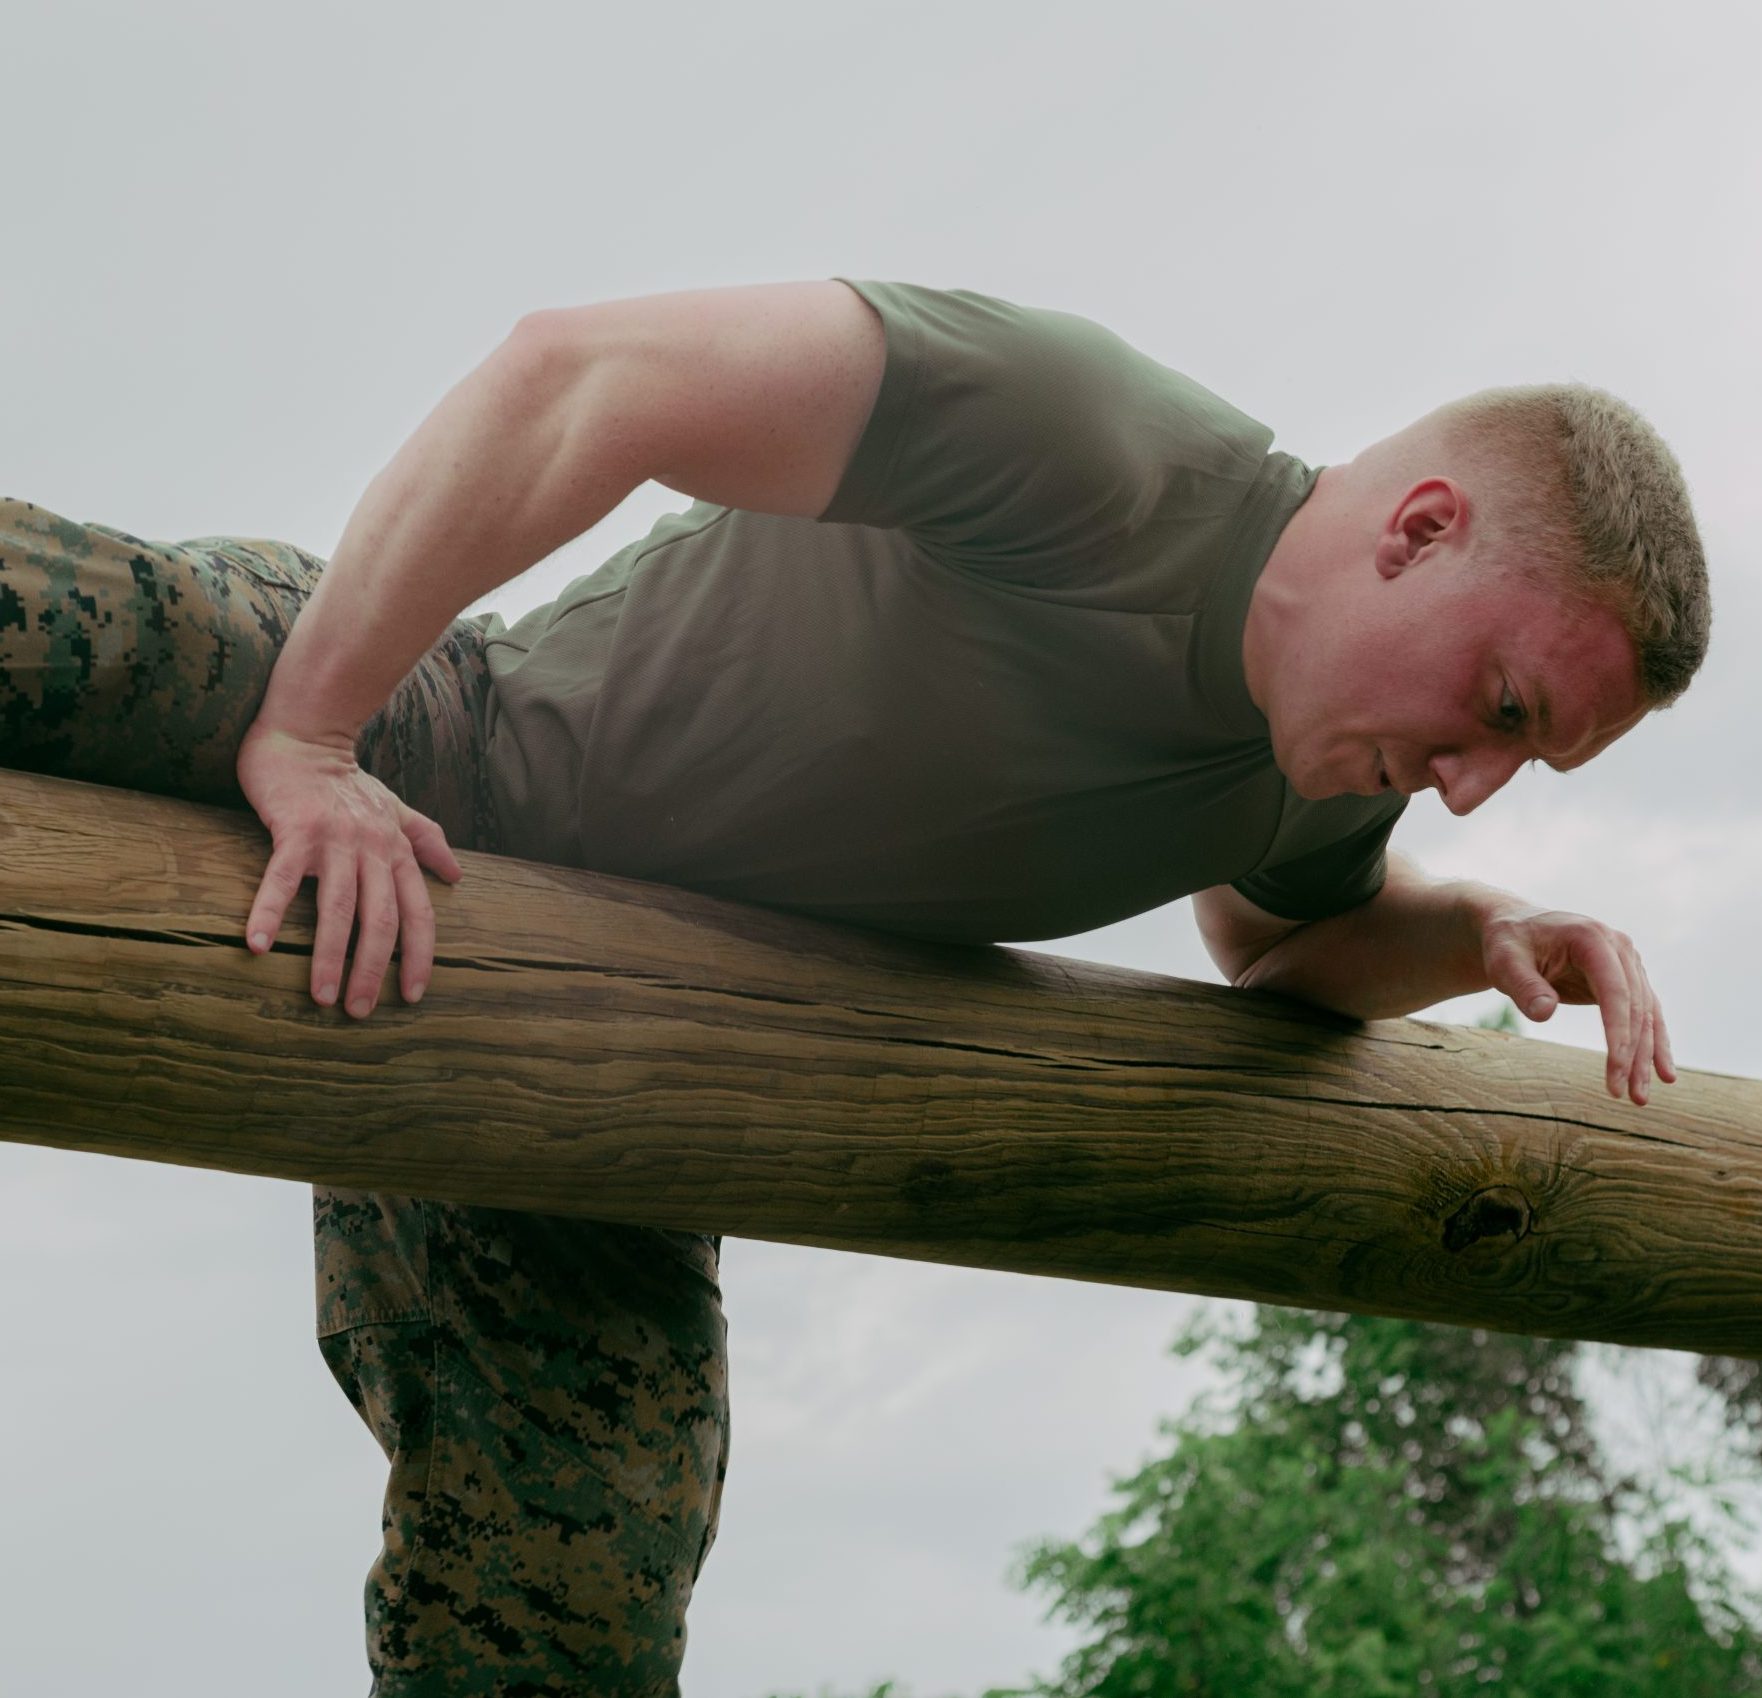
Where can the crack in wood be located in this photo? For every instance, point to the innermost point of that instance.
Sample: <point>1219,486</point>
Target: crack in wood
<point>137,934</point>
<point>1543,1115</point>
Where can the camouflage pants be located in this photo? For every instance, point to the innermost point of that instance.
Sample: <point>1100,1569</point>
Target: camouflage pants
<point>551,1394</point>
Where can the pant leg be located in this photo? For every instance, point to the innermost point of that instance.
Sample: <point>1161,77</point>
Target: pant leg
<point>556,1424</point>
<point>132,663</point>
<point>550,1393</point>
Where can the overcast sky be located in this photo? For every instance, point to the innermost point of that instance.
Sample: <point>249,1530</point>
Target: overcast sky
<point>252,246</point>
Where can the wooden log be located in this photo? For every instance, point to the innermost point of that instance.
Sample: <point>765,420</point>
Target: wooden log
<point>595,1046</point>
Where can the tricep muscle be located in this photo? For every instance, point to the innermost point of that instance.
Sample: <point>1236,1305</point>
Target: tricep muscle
<point>750,397</point>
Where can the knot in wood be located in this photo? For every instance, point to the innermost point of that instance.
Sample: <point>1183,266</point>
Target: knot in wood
<point>1492,1213</point>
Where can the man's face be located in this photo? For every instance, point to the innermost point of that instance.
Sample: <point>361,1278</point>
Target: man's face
<point>1449,676</point>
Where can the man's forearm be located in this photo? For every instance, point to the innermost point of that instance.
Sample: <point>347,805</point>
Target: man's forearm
<point>1416,942</point>
<point>496,478</point>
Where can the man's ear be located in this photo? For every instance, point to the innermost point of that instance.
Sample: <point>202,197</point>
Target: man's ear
<point>1433,510</point>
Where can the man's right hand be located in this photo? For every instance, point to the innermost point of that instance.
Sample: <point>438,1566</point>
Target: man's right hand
<point>331,821</point>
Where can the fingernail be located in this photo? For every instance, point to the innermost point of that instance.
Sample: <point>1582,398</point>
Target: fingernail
<point>259,940</point>
<point>327,994</point>
<point>416,992</point>
<point>1539,1007</point>
<point>360,1009</point>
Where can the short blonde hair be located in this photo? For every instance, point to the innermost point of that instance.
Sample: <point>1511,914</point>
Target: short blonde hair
<point>1587,492</point>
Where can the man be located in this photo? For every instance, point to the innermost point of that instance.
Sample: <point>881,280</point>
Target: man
<point>983,626</point>
<point>759,399</point>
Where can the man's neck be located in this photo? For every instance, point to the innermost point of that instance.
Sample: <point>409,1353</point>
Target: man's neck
<point>1286,587</point>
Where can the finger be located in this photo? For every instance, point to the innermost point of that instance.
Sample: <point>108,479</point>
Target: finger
<point>429,843</point>
<point>276,891</point>
<point>1639,1077</point>
<point>1661,1050</point>
<point>1641,992</point>
<point>1656,1041</point>
<point>1607,977</point>
<point>1512,969</point>
<point>1645,1039</point>
<point>376,931</point>
<point>1646,1048</point>
<point>1628,963</point>
<point>416,922</point>
<point>1622,1005</point>
<point>336,915</point>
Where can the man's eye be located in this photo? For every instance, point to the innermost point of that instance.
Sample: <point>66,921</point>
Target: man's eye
<point>1511,711</point>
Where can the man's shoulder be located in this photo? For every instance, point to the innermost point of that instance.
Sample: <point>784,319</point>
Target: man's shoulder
<point>1015,429</point>
<point>1067,355</point>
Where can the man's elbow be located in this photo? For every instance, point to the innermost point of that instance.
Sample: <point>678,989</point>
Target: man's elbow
<point>1237,962</point>
<point>1255,972</point>
<point>1241,938</point>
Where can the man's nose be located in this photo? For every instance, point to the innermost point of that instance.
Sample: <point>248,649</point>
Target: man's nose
<point>1466,778</point>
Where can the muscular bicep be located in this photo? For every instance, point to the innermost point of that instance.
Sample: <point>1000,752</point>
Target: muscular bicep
<point>752,397</point>
<point>1237,932</point>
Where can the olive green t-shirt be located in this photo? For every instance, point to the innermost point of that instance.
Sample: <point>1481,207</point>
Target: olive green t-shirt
<point>994,693</point>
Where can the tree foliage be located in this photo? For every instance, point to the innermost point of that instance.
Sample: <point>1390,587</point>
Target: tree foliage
<point>1377,1508</point>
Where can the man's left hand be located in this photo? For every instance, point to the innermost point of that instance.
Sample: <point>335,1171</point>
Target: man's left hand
<point>1543,957</point>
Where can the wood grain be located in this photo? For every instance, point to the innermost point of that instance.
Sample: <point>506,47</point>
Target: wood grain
<point>595,1046</point>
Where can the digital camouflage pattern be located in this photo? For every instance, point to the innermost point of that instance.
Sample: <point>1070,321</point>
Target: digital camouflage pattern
<point>554,1408</point>
<point>551,1394</point>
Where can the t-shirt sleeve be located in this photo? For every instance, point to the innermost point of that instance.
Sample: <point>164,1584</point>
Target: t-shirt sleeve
<point>1328,880</point>
<point>1018,437</point>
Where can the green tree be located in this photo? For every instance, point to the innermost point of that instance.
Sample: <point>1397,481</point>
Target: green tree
<point>1376,1508</point>
<point>1373,1508</point>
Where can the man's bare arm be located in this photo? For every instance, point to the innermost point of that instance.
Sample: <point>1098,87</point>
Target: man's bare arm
<point>752,397</point>
<point>1420,941</point>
